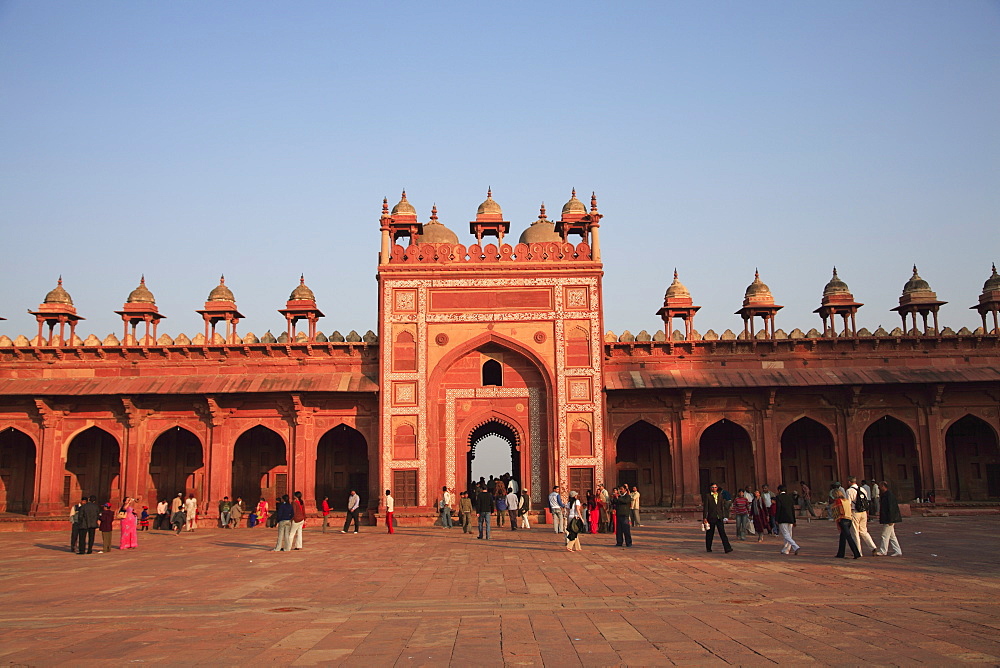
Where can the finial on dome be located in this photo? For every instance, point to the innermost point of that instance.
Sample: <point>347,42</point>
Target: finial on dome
<point>835,272</point>
<point>914,269</point>
<point>222,279</point>
<point>593,202</point>
<point>756,274</point>
<point>489,192</point>
<point>302,279</point>
<point>59,282</point>
<point>675,273</point>
<point>434,212</point>
<point>542,216</point>
<point>385,206</point>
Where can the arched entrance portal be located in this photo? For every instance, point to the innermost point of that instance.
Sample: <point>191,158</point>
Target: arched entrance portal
<point>17,471</point>
<point>260,466</point>
<point>341,465</point>
<point>92,466</point>
<point>890,454</point>
<point>176,466</point>
<point>644,462</point>
<point>499,451</point>
<point>973,460</point>
<point>725,457</point>
<point>807,455</point>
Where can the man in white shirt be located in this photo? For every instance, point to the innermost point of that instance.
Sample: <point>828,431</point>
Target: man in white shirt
<point>390,506</point>
<point>445,505</point>
<point>557,506</point>
<point>859,516</point>
<point>353,508</point>
<point>634,512</point>
<point>512,502</point>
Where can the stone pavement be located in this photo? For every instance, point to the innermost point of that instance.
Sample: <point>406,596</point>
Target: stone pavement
<point>434,597</point>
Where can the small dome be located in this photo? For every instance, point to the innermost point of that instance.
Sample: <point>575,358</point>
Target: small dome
<point>993,282</point>
<point>141,295</point>
<point>676,289</point>
<point>836,286</point>
<point>435,232</point>
<point>301,291</point>
<point>221,293</point>
<point>403,207</point>
<point>574,207</point>
<point>58,295</point>
<point>541,231</point>
<point>489,206</point>
<point>916,284</point>
<point>758,289</point>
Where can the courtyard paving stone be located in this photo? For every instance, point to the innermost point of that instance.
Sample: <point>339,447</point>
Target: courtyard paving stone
<point>433,597</point>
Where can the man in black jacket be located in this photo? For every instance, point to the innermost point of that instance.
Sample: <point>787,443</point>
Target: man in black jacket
<point>88,515</point>
<point>784,517</point>
<point>484,507</point>
<point>623,508</point>
<point>713,515</point>
<point>888,516</point>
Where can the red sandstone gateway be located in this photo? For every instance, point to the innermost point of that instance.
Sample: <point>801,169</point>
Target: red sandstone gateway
<point>495,339</point>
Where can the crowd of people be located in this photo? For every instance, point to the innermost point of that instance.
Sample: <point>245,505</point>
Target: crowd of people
<point>756,512</point>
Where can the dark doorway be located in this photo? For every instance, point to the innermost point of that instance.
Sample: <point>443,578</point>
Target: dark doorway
<point>93,464</point>
<point>260,466</point>
<point>176,466</point>
<point>501,439</point>
<point>17,471</point>
<point>643,457</point>
<point>972,456</point>
<point>725,457</point>
<point>807,455</point>
<point>890,454</point>
<point>342,465</point>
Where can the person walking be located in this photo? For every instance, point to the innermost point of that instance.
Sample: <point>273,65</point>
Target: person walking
<point>191,513</point>
<point>741,511</point>
<point>262,512</point>
<point>574,525</point>
<point>162,516</point>
<point>784,515</point>
<point>759,516</point>
<point>484,508</point>
<point>859,515</point>
<point>326,511</point>
<point>556,507</point>
<point>106,524</point>
<point>74,522</point>
<point>390,508</point>
<point>298,521</point>
<point>623,530</point>
<point>840,510</point>
<point>634,510</point>
<point>465,512</point>
<point>714,515</point>
<point>500,502</point>
<point>129,536</point>
<point>445,505</point>
<point>87,518</point>
<point>888,516</point>
<point>353,510</point>
<point>283,513</point>
<point>805,499</point>
<point>512,500</point>
<point>522,509</point>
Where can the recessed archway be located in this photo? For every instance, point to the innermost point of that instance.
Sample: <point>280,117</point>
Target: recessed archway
<point>807,455</point>
<point>341,466</point>
<point>973,460</point>
<point>176,465</point>
<point>725,457</point>
<point>890,454</point>
<point>260,466</point>
<point>497,447</point>
<point>643,458</point>
<point>93,466</point>
<point>17,471</point>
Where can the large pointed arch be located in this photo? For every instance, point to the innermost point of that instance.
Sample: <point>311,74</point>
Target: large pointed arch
<point>725,456</point>
<point>808,455</point>
<point>973,458</point>
<point>260,466</point>
<point>176,465</point>
<point>644,461</point>
<point>890,454</point>
<point>17,471</point>
<point>93,466</point>
<point>341,466</point>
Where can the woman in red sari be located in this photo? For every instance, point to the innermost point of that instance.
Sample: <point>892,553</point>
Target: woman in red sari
<point>129,538</point>
<point>593,513</point>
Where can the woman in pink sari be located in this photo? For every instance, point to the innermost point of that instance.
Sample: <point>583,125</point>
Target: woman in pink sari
<point>129,539</point>
<point>593,513</point>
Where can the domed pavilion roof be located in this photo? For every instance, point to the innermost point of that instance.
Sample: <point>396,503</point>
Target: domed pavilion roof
<point>302,291</point>
<point>758,292</point>
<point>221,293</point>
<point>435,232</point>
<point>404,207</point>
<point>541,231</point>
<point>836,286</point>
<point>141,295</point>
<point>676,289</point>
<point>489,206</point>
<point>58,295</point>
<point>574,207</point>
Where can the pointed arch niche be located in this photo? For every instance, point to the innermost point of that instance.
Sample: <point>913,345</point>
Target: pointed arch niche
<point>260,466</point>
<point>342,466</point>
<point>93,467</point>
<point>973,460</point>
<point>807,454</point>
<point>643,459</point>
<point>725,456</point>
<point>17,471</point>
<point>176,465</point>
<point>890,454</point>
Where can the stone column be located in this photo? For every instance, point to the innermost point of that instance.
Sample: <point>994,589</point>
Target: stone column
<point>50,466</point>
<point>686,469</point>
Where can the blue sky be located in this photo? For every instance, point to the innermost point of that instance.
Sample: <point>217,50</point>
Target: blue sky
<point>184,140</point>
